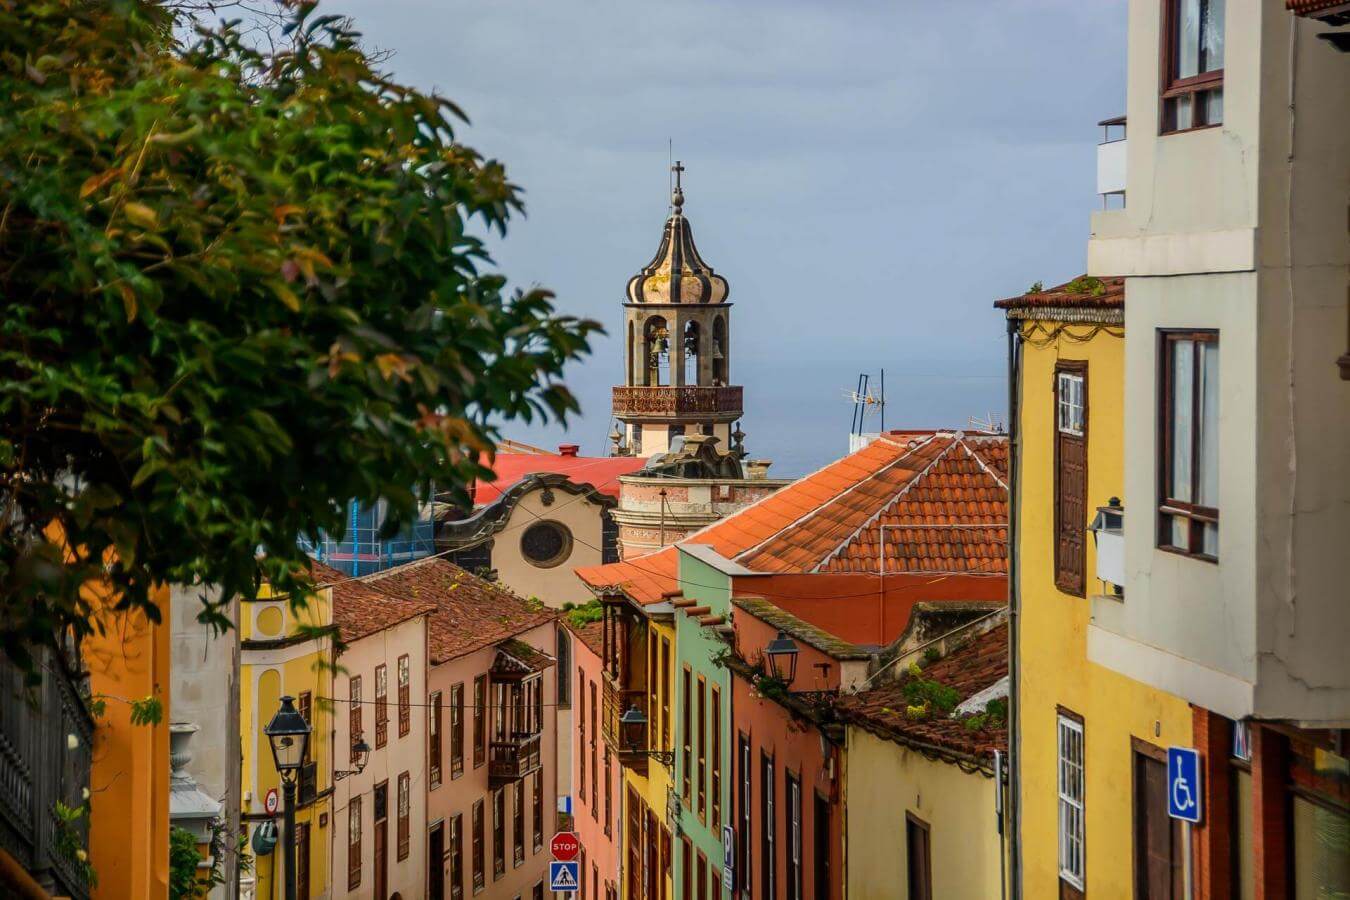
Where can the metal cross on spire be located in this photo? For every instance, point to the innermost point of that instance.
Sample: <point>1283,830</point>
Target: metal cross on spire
<point>677,195</point>
<point>678,169</point>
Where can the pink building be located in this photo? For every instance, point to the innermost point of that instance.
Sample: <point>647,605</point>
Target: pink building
<point>491,739</point>
<point>596,776</point>
<point>379,813</point>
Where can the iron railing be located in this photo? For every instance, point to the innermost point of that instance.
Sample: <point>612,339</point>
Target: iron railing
<point>676,402</point>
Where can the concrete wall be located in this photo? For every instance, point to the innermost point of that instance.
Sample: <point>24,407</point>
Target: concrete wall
<point>206,693</point>
<point>456,795</point>
<point>1056,640</point>
<point>884,781</point>
<point>554,585</point>
<point>401,753</point>
<point>1243,228</point>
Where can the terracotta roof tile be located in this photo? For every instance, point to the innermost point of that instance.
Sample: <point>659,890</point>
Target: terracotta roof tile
<point>968,670</point>
<point>949,488</point>
<point>515,657</point>
<point>469,613</point>
<point>1111,297</point>
<point>592,634</point>
<point>359,610</point>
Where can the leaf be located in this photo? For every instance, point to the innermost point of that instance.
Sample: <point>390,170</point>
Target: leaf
<point>285,294</point>
<point>128,300</point>
<point>94,182</point>
<point>141,215</point>
<point>286,209</point>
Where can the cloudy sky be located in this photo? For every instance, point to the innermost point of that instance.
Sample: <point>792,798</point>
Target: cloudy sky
<point>869,176</point>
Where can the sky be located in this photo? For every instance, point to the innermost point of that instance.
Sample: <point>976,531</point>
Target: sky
<point>868,176</point>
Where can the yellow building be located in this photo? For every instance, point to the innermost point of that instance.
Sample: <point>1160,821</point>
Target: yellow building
<point>652,785</point>
<point>285,652</point>
<point>1087,740</point>
<point>128,661</point>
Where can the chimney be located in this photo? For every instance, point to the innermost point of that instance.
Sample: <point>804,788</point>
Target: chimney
<point>757,469</point>
<point>568,449</point>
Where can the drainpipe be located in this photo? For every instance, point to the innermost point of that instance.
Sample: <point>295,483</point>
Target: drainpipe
<point>1014,610</point>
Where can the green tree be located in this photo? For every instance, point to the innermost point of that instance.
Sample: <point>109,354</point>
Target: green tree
<point>237,289</point>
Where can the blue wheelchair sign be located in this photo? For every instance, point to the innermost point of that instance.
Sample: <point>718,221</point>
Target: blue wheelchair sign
<point>563,876</point>
<point>1183,783</point>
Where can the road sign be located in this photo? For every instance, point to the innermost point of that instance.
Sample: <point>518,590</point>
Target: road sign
<point>270,801</point>
<point>565,846</point>
<point>1183,783</point>
<point>565,804</point>
<point>562,876</point>
<point>728,858</point>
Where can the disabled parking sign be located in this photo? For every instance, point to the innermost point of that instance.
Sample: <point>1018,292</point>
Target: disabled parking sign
<point>563,875</point>
<point>1183,783</point>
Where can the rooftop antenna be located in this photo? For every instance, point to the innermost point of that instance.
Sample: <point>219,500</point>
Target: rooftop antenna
<point>670,172</point>
<point>990,423</point>
<point>865,403</point>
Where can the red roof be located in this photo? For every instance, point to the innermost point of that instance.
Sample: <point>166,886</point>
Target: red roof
<point>601,472</point>
<point>1100,293</point>
<point>948,489</point>
<point>358,609</point>
<point>968,670</point>
<point>469,613</point>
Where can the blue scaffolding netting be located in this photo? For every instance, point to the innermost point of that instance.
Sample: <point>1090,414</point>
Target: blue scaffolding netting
<point>362,550</point>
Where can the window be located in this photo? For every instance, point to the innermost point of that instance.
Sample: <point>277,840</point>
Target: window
<point>687,867</point>
<point>609,793</point>
<point>793,788</point>
<point>354,843</point>
<point>479,710</point>
<point>434,748</point>
<point>595,737</point>
<point>404,814</point>
<point>687,728</point>
<point>581,735</point>
<point>1071,868</point>
<point>404,696</point>
<point>821,833</point>
<point>305,706</point>
<point>537,789</point>
<point>456,857</point>
<point>701,876</point>
<point>1192,65</point>
<point>478,877</point>
<point>457,730</point>
<point>716,759</point>
<point>546,543</point>
<point>702,741</point>
<point>381,706</point>
<point>581,876</point>
<point>768,836</point>
<point>538,892</point>
<point>354,726</point>
<point>1188,513</point>
<point>918,847</point>
<point>1071,476</point>
<point>744,858</point>
<point>665,694</point>
<point>564,684</point>
<point>302,860</point>
<point>518,822</point>
<point>498,833</point>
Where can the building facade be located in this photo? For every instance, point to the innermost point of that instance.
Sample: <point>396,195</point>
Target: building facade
<point>597,779</point>
<point>1233,245</point>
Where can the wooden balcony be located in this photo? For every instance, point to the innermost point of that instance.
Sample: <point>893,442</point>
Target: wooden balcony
<point>511,760</point>
<point>718,404</point>
<point>615,702</point>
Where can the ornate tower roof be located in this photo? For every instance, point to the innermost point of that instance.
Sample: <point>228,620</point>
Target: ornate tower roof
<point>677,274</point>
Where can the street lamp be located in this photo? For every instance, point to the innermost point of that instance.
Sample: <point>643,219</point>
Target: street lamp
<point>633,724</point>
<point>288,732</point>
<point>361,750</point>
<point>782,657</point>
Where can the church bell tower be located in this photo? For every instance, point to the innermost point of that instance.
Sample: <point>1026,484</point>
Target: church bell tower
<point>677,348</point>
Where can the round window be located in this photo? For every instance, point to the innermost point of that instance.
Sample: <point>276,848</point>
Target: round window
<point>546,544</point>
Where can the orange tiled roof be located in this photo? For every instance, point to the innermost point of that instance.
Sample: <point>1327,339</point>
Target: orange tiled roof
<point>949,488</point>
<point>469,613</point>
<point>1111,296</point>
<point>968,670</point>
<point>359,610</point>
<point>592,634</point>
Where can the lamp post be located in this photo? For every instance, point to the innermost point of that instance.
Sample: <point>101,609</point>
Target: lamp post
<point>782,658</point>
<point>288,733</point>
<point>633,725</point>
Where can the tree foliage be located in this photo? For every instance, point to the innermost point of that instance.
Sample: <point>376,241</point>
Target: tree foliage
<point>237,290</point>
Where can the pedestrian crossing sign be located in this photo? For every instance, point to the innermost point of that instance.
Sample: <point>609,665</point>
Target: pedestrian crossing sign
<point>562,875</point>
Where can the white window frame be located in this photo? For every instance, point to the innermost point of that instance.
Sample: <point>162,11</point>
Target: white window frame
<point>771,830</point>
<point>1069,783</point>
<point>795,833</point>
<point>1069,404</point>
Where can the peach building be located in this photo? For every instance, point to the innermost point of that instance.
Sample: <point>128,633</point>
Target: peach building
<point>491,740</point>
<point>596,775</point>
<point>379,686</point>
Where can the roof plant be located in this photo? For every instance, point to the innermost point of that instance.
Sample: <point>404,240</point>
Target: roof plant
<point>238,288</point>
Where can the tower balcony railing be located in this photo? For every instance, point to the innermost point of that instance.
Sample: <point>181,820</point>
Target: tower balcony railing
<point>668,401</point>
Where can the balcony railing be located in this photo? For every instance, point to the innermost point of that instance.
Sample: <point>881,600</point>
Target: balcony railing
<point>1111,161</point>
<point>616,701</point>
<point>38,770</point>
<point>679,402</point>
<point>511,760</point>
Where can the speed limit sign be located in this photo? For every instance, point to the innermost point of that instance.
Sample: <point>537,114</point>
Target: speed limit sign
<point>270,802</point>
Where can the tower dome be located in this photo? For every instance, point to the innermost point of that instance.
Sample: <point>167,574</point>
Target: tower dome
<point>677,274</point>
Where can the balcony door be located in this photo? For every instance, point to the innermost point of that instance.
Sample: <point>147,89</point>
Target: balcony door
<point>382,839</point>
<point>1157,838</point>
<point>436,862</point>
<point>1071,476</point>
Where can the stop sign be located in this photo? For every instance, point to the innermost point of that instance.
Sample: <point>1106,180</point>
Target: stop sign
<point>565,845</point>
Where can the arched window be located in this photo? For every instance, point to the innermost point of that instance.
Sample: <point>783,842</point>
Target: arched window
<point>719,351</point>
<point>656,351</point>
<point>628,358</point>
<point>693,336</point>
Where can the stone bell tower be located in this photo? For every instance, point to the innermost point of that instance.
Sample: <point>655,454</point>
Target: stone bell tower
<point>677,350</point>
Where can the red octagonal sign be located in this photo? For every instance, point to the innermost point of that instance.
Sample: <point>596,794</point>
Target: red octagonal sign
<point>565,845</point>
